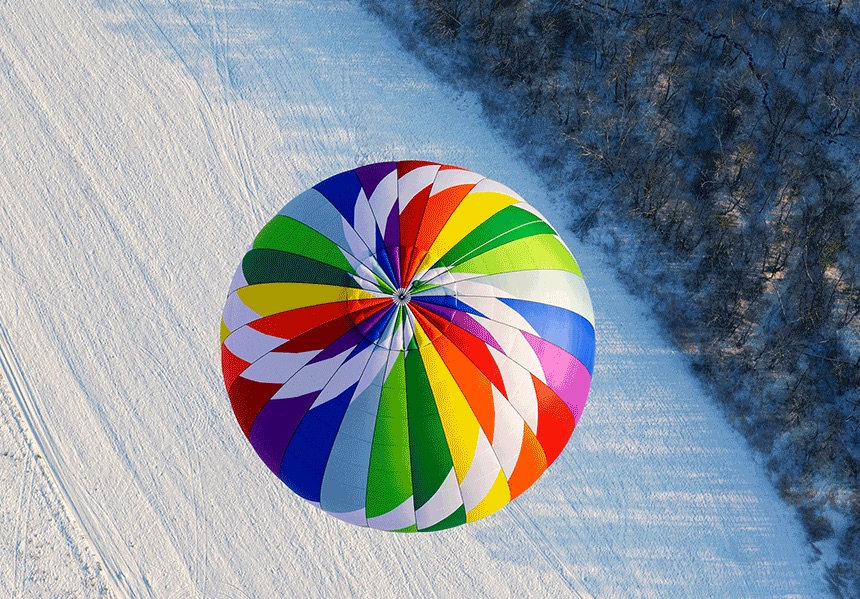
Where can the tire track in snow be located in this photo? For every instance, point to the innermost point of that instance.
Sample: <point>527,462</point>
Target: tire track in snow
<point>89,514</point>
<point>221,54</point>
<point>34,427</point>
<point>230,147</point>
<point>218,142</point>
<point>25,505</point>
<point>544,548</point>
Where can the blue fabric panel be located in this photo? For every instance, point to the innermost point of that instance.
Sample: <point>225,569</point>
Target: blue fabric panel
<point>449,301</point>
<point>342,192</point>
<point>304,461</point>
<point>568,330</point>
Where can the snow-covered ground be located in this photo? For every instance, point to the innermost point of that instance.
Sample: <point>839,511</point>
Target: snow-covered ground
<point>143,143</point>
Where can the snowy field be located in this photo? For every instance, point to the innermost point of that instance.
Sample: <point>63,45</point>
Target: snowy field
<point>143,143</point>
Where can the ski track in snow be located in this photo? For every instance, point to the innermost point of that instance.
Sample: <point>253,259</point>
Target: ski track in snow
<point>144,143</point>
<point>50,553</point>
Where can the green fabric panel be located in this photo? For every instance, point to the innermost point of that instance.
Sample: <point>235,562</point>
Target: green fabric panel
<point>289,235</point>
<point>455,519</point>
<point>529,230</point>
<point>413,528</point>
<point>421,286</point>
<point>428,447</point>
<point>501,223</point>
<point>275,266</point>
<point>539,252</point>
<point>389,481</point>
<point>383,285</point>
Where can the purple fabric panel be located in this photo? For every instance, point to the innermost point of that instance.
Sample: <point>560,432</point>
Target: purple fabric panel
<point>349,339</point>
<point>369,176</point>
<point>391,238</point>
<point>462,320</point>
<point>367,324</point>
<point>467,323</point>
<point>565,375</point>
<point>274,427</point>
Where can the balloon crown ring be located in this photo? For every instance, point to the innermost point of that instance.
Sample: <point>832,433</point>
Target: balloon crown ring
<point>402,297</point>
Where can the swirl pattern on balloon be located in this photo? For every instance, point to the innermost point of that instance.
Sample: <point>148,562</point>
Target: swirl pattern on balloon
<point>408,345</point>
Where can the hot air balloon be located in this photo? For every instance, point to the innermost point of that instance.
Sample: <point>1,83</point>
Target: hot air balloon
<point>408,345</point>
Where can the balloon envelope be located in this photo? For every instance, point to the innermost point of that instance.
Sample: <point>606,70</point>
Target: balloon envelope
<point>408,345</point>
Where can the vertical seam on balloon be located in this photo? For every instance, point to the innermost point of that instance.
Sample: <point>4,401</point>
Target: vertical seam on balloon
<point>452,212</point>
<point>373,437</point>
<point>405,268</point>
<point>403,349</point>
<point>302,419</point>
<point>498,461</point>
<point>406,400</point>
<point>448,446</point>
<point>374,348</point>
<point>376,217</point>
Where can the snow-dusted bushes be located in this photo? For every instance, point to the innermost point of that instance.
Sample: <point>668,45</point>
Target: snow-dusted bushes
<point>729,133</point>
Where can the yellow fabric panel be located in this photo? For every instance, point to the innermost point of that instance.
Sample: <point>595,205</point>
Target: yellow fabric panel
<point>458,421</point>
<point>421,338</point>
<point>472,211</point>
<point>225,332</point>
<point>496,499</point>
<point>273,298</point>
<point>540,252</point>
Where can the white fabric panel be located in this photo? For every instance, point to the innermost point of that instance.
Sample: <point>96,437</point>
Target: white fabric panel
<point>413,182</point>
<point>408,328</point>
<point>515,346</point>
<point>520,388</point>
<point>489,185</point>
<point>311,377</point>
<point>400,517</point>
<point>357,517</point>
<point>375,363</point>
<point>344,376</point>
<point>357,246</point>
<point>249,344</point>
<point>451,177</point>
<point>554,287</point>
<point>391,337</point>
<point>365,221</point>
<point>278,367</point>
<point>239,277</point>
<point>507,433</point>
<point>382,199</point>
<point>483,472</point>
<point>498,311</point>
<point>444,502</point>
<point>366,278</point>
<point>445,281</point>
<point>431,273</point>
<point>236,314</point>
